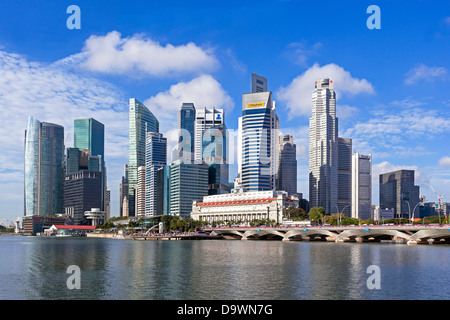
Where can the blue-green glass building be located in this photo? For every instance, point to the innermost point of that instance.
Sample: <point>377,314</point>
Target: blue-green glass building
<point>43,168</point>
<point>89,134</point>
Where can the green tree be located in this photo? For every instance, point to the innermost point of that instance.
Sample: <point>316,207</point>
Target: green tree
<point>316,214</point>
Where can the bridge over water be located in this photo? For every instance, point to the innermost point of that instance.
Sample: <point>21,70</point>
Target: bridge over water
<point>411,234</point>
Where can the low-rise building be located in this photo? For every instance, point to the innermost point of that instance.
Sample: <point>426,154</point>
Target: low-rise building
<point>243,207</point>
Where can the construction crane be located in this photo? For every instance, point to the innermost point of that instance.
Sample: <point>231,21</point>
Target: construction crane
<point>440,197</point>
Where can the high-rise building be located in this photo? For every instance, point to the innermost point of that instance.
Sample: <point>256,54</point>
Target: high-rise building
<point>163,191</point>
<point>86,155</point>
<point>205,118</point>
<point>186,132</point>
<point>397,191</point>
<point>156,157</point>
<point>82,193</point>
<point>188,183</point>
<point>141,121</point>
<point>344,201</point>
<point>89,134</point>
<point>140,193</point>
<point>214,154</point>
<point>259,83</point>
<point>361,186</point>
<point>259,133</point>
<point>44,168</point>
<point>323,147</point>
<point>287,168</point>
<point>123,191</point>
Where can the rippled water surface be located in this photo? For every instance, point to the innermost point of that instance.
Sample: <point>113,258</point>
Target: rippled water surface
<point>35,268</point>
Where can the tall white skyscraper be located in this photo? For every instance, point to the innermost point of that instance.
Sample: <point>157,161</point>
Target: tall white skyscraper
<point>205,118</point>
<point>259,127</point>
<point>323,147</point>
<point>361,186</point>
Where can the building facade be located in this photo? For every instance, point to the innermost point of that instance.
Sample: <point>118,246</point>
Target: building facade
<point>397,191</point>
<point>141,121</point>
<point>156,157</point>
<point>344,176</point>
<point>43,168</point>
<point>214,154</point>
<point>205,118</point>
<point>243,207</point>
<point>188,183</point>
<point>259,136</point>
<point>123,191</point>
<point>81,193</point>
<point>287,168</point>
<point>323,147</point>
<point>361,186</point>
<point>186,133</point>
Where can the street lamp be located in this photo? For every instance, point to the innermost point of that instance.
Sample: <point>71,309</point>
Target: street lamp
<point>340,213</point>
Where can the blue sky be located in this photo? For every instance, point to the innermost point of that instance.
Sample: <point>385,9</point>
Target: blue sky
<point>391,83</point>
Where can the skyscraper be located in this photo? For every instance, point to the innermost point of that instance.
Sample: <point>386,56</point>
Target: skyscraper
<point>344,177</point>
<point>361,186</point>
<point>205,118</point>
<point>44,168</point>
<point>123,191</point>
<point>155,158</point>
<point>141,121</point>
<point>186,132</point>
<point>397,191</point>
<point>259,83</point>
<point>89,134</point>
<point>259,133</point>
<point>188,182</point>
<point>89,139</point>
<point>140,193</point>
<point>287,168</point>
<point>214,154</point>
<point>323,147</point>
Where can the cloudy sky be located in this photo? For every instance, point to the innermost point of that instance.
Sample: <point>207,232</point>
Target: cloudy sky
<point>391,83</point>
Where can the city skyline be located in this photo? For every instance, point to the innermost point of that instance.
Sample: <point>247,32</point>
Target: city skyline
<point>390,101</point>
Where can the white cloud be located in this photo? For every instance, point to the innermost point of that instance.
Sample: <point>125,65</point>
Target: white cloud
<point>297,95</point>
<point>52,93</point>
<point>407,123</point>
<point>423,72</point>
<point>444,162</point>
<point>141,56</point>
<point>299,52</point>
<point>203,91</point>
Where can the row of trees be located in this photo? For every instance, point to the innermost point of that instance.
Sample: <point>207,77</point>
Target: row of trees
<point>318,215</point>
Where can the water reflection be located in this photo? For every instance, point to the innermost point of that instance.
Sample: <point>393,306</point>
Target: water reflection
<point>35,268</point>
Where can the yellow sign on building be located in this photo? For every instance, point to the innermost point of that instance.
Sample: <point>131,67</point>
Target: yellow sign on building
<point>252,105</point>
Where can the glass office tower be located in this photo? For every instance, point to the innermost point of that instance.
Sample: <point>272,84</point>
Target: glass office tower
<point>89,134</point>
<point>156,157</point>
<point>141,121</point>
<point>44,168</point>
<point>259,155</point>
<point>186,133</point>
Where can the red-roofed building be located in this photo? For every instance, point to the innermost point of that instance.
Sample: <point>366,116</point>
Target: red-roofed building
<point>69,230</point>
<point>243,206</point>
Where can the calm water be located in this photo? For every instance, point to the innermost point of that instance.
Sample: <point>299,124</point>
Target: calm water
<point>35,268</point>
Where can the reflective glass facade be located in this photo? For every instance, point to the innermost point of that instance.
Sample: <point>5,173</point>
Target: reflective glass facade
<point>141,121</point>
<point>44,168</point>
